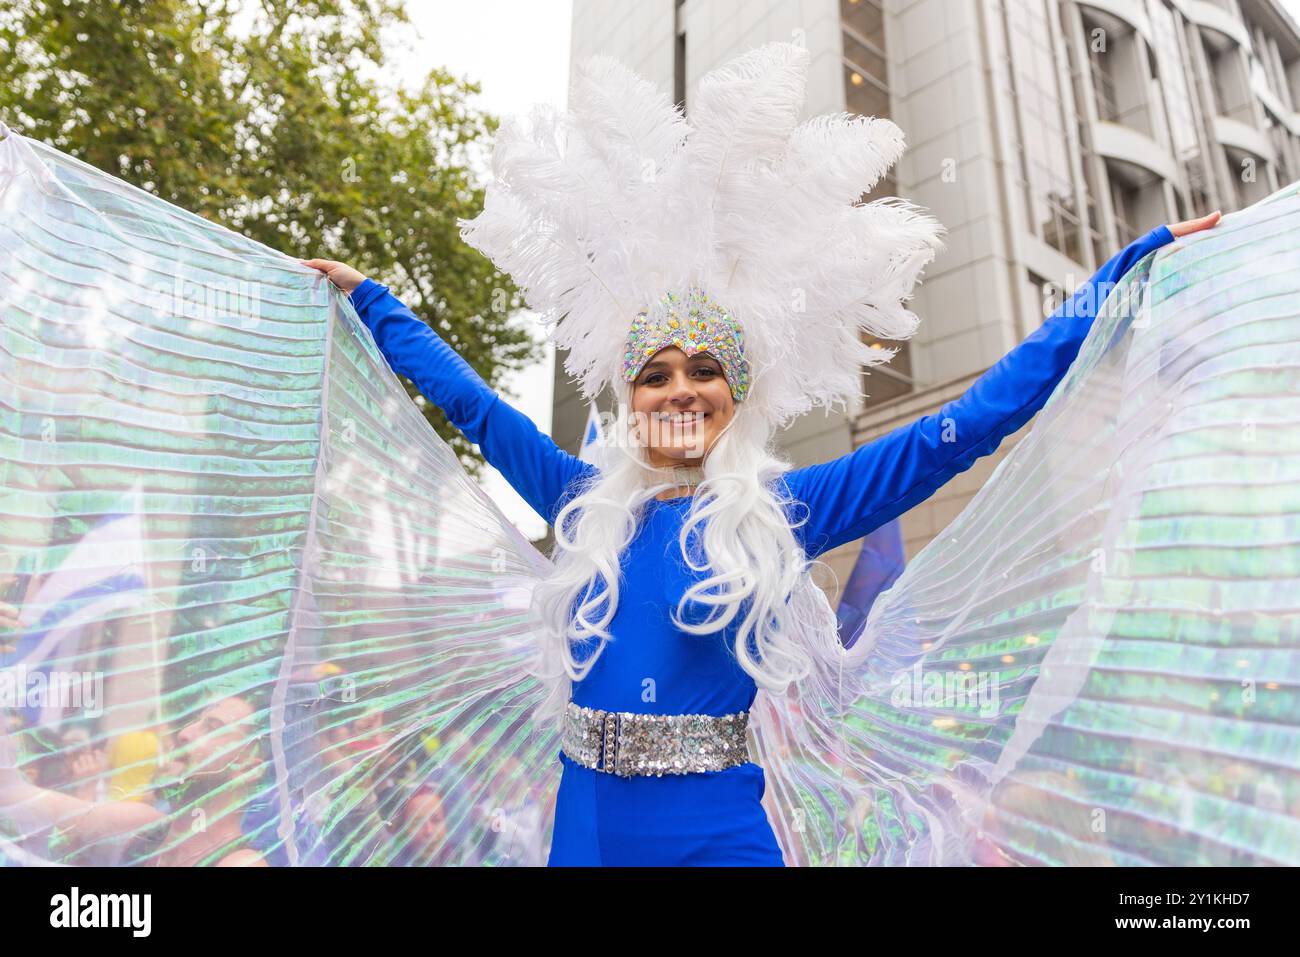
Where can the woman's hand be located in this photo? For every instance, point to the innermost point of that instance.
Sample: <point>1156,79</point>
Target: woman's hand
<point>1196,225</point>
<point>345,277</point>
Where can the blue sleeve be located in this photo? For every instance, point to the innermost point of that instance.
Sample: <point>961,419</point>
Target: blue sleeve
<point>538,469</point>
<point>857,493</point>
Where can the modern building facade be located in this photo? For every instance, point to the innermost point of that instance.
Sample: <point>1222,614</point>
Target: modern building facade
<point>1044,134</point>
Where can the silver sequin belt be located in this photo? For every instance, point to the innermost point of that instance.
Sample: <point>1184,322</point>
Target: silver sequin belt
<point>628,744</point>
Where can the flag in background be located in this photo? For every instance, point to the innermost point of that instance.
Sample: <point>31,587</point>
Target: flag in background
<point>591,437</point>
<point>104,572</point>
<point>877,567</point>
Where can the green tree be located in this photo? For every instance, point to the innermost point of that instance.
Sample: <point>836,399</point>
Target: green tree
<point>271,117</point>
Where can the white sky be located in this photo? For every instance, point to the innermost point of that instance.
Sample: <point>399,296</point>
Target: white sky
<point>518,50</point>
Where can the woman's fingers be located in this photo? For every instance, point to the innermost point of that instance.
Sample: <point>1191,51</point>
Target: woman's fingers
<point>1195,225</point>
<point>341,274</point>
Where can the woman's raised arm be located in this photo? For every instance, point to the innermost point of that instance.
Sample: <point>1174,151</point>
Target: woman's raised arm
<point>852,495</point>
<point>538,469</point>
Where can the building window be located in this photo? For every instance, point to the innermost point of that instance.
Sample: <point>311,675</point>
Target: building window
<point>679,59</point>
<point>866,92</point>
<point>864,18</point>
<point>1103,84</point>
<point>1138,198</point>
<point>1123,91</point>
<point>1124,200</point>
<point>867,60</point>
<point>883,383</point>
<point>1092,238</point>
<point>1095,237</point>
<point>1270,64</point>
<point>1033,51</point>
<point>1229,83</point>
<point>1061,226</point>
<point>1045,297</point>
<point>866,69</point>
<point>1175,92</point>
<point>1280,139</point>
<point>866,74</point>
<point>1173,72</point>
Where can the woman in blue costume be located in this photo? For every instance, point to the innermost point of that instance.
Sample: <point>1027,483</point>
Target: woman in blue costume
<point>714,817</point>
<point>677,560</point>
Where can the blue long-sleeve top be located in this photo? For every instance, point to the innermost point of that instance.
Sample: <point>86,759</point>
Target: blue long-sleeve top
<point>650,666</point>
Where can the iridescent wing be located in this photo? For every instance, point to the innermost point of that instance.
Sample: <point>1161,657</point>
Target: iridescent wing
<point>272,618</point>
<point>291,630</point>
<point>1098,662</point>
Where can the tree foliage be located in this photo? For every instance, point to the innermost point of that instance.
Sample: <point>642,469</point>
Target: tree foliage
<point>278,119</point>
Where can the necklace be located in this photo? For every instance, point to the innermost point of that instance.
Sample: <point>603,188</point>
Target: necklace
<point>684,476</point>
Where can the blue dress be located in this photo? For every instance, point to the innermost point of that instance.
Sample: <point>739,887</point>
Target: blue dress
<point>715,817</point>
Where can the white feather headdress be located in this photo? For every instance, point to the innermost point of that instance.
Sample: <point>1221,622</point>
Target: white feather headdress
<point>598,212</point>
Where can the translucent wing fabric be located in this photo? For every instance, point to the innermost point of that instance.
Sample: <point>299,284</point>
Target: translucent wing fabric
<point>1098,662</point>
<point>264,616</point>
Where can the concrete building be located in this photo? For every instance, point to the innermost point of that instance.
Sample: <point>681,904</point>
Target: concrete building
<point>1044,134</point>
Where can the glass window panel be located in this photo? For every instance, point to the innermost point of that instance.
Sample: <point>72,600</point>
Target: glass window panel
<point>863,94</point>
<point>866,59</point>
<point>1042,104</point>
<point>878,384</point>
<point>865,19</point>
<point>1044,297</point>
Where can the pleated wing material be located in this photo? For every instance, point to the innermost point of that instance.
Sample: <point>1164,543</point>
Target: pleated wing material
<point>264,613</point>
<point>1098,662</point>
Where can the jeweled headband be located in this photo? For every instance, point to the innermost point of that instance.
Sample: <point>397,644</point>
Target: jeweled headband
<point>693,323</point>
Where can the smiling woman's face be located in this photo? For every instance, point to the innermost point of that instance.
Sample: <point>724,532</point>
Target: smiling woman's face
<point>680,405</point>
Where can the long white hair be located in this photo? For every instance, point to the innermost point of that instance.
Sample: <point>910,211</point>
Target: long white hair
<point>739,533</point>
